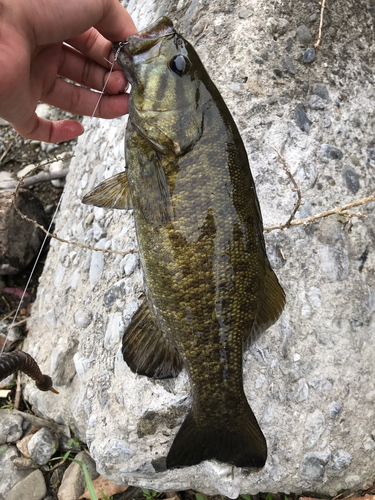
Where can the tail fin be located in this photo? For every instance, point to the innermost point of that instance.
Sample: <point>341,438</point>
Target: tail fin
<point>241,444</point>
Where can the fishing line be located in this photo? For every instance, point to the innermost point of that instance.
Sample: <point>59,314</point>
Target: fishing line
<point>31,275</point>
<point>121,44</point>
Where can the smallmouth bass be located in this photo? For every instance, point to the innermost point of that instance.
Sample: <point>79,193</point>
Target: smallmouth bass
<point>209,284</point>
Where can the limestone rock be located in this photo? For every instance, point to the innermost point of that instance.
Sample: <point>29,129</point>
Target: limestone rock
<point>10,427</point>
<point>33,487</point>
<point>73,483</point>
<point>9,474</point>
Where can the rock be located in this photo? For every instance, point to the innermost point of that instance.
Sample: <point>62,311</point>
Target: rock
<point>10,427</point>
<point>334,409</point>
<point>258,59</point>
<point>309,56</point>
<point>129,263</point>
<point>42,446</point>
<point>313,466</point>
<point>73,483</point>
<point>244,13</point>
<point>19,240</point>
<point>283,26</point>
<point>25,170</point>
<point>317,102</point>
<point>82,318</point>
<point>351,179</point>
<point>9,474</point>
<point>33,487</point>
<point>320,90</point>
<point>301,119</point>
<point>331,152</point>
<point>310,357</point>
<point>288,66</point>
<point>314,427</point>
<point>341,460</point>
<point>304,35</point>
<point>288,44</point>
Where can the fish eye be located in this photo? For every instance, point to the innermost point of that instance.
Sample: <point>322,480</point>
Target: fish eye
<point>179,65</point>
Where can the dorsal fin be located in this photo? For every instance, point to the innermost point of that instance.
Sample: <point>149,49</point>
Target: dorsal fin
<point>111,193</point>
<point>147,350</point>
<point>272,303</point>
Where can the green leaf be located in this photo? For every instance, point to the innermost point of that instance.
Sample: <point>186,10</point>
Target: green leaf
<point>145,491</point>
<point>200,497</point>
<point>90,486</point>
<point>154,493</point>
<point>246,497</point>
<point>3,451</point>
<point>269,496</point>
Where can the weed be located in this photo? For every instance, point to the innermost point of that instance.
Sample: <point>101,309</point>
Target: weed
<point>246,497</point>
<point>149,495</point>
<point>198,496</point>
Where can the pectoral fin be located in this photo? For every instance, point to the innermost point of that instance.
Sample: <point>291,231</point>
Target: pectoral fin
<point>147,350</point>
<point>111,193</point>
<point>272,303</point>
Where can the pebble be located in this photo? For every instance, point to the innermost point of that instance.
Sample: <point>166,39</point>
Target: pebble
<point>244,13</point>
<point>10,427</point>
<point>331,152</point>
<point>351,179</point>
<point>23,463</point>
<point>25,170</point>
<point>314,427</point>
<point>128,264</point>
<point>341,460</point>
<point>82,318</point>
<point>97,263</point>
<point>309,56</point>
<point>304,35</point>
<point>98,232</point>
<point>9,474</point>
<point>288,44</point>
<point>81,364</point>
<point>371,153</point>
<point>317,103</point>
<point>282,26</point>
<point>73,483</point>
<point>258,60</point>
<point>42,446</point>
<point>114,332</point>
<point>33,487</point>
<point>288,66</point>
<point>301,119</point>
<point>334,409</point>
<point>313,465</point>
<point>320,90</point>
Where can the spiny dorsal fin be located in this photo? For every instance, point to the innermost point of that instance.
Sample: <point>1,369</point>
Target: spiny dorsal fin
<point>111,193</point>
<point>272,304</point>
<point>147,350</point>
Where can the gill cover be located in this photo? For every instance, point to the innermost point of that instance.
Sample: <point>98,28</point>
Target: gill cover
<point>168,99</point>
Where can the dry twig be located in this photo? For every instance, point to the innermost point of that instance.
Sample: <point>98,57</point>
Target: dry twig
<point>17,398</point>
<point>299,202</point>
<point>317,43</point>
<point>7,150</point>
<point>62,240</point>
<point>344,210</point>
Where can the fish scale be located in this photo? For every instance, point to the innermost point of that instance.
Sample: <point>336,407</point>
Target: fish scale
<point>209,285</point>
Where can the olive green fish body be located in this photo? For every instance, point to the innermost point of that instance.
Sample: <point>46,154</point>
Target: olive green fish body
<point>199,228</point>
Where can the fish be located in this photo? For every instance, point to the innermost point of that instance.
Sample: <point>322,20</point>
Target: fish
<point>210,289</point>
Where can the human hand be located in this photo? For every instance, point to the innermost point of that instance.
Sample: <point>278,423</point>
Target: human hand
<point>33,57</point>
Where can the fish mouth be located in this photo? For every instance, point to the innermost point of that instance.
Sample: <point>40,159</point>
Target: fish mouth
<point>145,39</point>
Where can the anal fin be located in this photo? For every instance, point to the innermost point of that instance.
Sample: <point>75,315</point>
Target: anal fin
<point>147,350</point>
<point>111,193</point>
